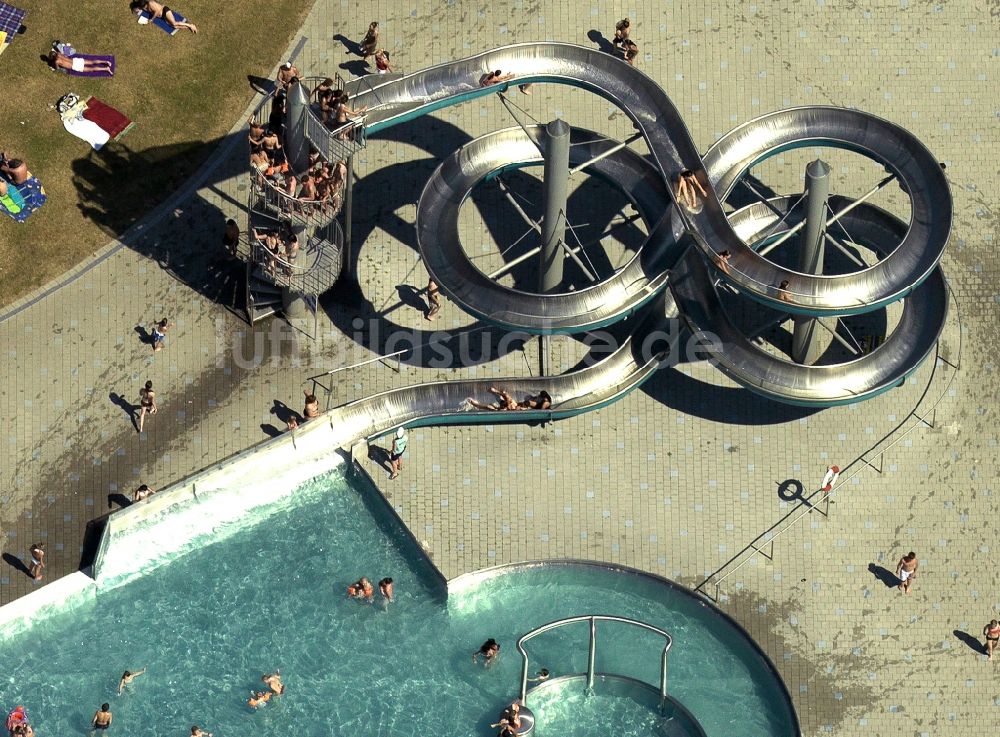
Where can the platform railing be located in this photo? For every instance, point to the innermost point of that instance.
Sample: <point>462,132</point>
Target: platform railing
<point>312,212</point>
<point>592,620</point>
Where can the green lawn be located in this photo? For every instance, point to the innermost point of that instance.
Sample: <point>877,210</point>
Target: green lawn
<point>184,92</point>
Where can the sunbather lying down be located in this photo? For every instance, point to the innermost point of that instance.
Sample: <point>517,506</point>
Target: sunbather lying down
<point>505,402</point>
<point>159,10</point>
<point>58,60</point>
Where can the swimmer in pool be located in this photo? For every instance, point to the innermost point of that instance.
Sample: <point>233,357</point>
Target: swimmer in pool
<point>542,675</point>
<point>489,651</point>
<point>274,683</point>
<point>361,589</point>
<point>127,678</point>
<point>385,588</point>
<point>259,698</point>
<point>511,716</point>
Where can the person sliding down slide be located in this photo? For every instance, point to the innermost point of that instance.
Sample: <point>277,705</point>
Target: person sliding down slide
<point>157,10</point>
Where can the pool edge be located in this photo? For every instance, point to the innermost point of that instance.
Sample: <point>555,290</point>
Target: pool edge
<point>467,580</point>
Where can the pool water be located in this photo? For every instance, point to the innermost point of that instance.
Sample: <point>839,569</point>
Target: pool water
<point>272,595</point>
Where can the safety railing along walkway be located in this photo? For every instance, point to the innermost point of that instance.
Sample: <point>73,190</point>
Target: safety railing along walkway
<point>763,544</point>
<point>387,359</point>
<point>592,620</point>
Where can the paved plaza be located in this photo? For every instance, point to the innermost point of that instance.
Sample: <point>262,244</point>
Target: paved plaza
<point>682,477</point>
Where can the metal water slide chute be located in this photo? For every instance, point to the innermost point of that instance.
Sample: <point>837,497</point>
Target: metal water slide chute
<point>680,243</point>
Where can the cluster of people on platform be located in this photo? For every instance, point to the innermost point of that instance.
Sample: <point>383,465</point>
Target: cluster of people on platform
<point>278,250</point>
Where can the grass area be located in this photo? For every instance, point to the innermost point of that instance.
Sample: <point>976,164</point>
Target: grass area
<point>184,92</point>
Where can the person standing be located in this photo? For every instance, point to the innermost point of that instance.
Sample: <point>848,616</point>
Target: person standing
<point>102,717</point>
<point>385,588</point>
<point>991,633</point>
<point>37,552</point>
<point>286,74</point>
<point>396,454</point>
<point>382,64</point>
<point>622,30</point>
<point>231,238</point>
<point>433,299</point>
<point>906,571</point>
<point>630,51</point>
<point>311,407</point>
<point>147,403</point>
<point>369,44</point>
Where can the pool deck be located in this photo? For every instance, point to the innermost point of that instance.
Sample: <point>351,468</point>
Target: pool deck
<point>680,477</point>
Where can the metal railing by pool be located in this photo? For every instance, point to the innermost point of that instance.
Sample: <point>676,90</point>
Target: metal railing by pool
<point>592,620</point>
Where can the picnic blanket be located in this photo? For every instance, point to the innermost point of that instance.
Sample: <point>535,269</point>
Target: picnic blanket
<point>146,17</point>
<point>22,200</point>
<point>11,19</point>
<point>110,120</point>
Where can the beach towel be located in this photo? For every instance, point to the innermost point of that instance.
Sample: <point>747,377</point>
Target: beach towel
<point>12,199</point>
<point>11,19</point>
<point>89,57</point>
<point>88,130</point>
<point>20,201</point>
<point>110,120</point>
<point>71,109</point>
<point>145,17</point>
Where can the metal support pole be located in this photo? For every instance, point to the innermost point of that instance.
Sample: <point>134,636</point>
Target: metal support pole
<point>554,225</point>
<point>556,174</point>
<point>348,212</point>
<point>806,348</point>
<point>592,658</point>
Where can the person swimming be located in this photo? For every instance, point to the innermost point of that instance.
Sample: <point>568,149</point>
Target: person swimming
<point>489,651</point>
<point>274,683</point>
<point>361,589</point>
<point>259,698</point>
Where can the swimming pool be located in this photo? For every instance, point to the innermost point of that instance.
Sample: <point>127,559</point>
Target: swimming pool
<point>271,595</point>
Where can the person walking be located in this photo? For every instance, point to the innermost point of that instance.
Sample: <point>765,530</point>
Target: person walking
<point>160,334</point>
<point>396,454</point>
<point>37,551</point>
<point>147,403</point>
<point>991,633</point>
<point>906,571</point>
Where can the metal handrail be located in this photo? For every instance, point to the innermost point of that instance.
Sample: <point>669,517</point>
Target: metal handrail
<point>592,619</point>
<point>768,537</point>
<point>356,365</point>
<point>314,212</point>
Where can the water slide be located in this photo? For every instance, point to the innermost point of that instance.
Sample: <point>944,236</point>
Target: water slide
<point>656,118</point>
<point>675,251</point>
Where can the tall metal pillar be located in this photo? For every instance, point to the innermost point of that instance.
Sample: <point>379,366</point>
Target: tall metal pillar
<point>556,175</point>
<point>806,346</point>
<point>296,144</point>
<point>348,206</point>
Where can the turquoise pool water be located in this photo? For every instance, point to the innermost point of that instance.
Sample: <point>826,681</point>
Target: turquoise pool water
<point>271,595</point>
